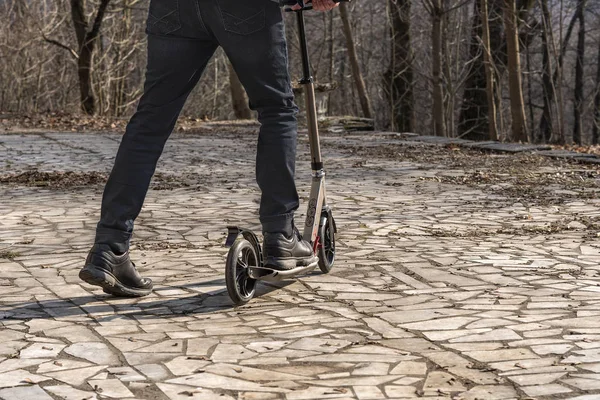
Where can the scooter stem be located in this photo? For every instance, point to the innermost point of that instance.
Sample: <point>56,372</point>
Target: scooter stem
<point>307,76</point>
<point>309,92</point>
<point>317,199</point>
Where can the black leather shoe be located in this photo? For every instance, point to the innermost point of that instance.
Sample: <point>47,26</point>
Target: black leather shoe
<point>116,274</point>
<point>283,253</point>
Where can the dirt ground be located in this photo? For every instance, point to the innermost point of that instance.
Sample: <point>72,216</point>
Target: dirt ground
<point>526,177</point>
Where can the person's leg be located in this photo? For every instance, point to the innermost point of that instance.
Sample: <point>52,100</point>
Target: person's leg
<point>174,67</point>
<point>253,36</point>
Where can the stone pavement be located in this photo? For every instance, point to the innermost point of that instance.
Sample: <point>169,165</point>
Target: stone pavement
<point>440,290</point>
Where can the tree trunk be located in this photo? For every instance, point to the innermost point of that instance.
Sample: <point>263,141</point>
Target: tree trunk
<point>449,87</point>
<point>79,21</point>
<point>331,62</point>
<point>578,104</point>
<point>363,95</point>
<point>555,94</point>
<point>399,77</point>
<point>84,72</point>
<point>439,120</point>
<point>87,43</point>
<point>489,72</point>
<point>596,128</point>
<point>549,93</point>
<point>517,106</point>
<point>238,95</point>
<point>474,116</point>
<point>530,104</point>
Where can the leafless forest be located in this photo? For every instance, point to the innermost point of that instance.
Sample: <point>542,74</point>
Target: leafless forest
<point>518,70</point>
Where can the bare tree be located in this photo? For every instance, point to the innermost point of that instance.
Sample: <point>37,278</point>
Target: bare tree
<point>578,94</point>
<point>596,126</point>
<point>238,95</point>
<point>363,96</point>
<point>555,95</point>
<point>546,129</point>
<point>86,40</point>
<point>436,11</point>
<point>399,77</point>
<point>519,121</point>
<point>489,72</point>
<point>474,114</point>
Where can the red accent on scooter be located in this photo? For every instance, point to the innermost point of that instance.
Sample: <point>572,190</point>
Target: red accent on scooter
<point>317,244</point>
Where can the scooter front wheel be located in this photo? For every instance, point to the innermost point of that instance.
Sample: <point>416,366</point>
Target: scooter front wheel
<point>242,255</point>
<point>326,249</point>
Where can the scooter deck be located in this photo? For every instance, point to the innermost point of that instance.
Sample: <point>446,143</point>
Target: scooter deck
<point>273,275</point>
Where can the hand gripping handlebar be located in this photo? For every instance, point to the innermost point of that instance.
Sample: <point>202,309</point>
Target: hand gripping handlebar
<point>305,4</point>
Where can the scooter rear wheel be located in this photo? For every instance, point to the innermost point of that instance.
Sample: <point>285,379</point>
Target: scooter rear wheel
<point>326,249</point>
<point>240,286</point>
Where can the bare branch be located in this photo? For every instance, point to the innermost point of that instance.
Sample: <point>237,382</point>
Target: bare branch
<point>98,20</point>
<point>62,46</point>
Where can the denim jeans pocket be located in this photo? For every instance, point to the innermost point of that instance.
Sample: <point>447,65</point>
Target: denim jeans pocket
<point>163,17</point>
<point>241,17</point>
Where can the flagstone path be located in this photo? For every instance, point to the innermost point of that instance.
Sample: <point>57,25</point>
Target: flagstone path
<point>440,289</point>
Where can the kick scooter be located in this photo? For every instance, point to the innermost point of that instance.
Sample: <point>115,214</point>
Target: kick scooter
<point>245,266</point>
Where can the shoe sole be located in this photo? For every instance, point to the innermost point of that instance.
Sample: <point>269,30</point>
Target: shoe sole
<point>109,283</point>
<point>288,264</point>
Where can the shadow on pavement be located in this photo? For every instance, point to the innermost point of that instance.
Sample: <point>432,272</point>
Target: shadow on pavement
<point>103,308</point>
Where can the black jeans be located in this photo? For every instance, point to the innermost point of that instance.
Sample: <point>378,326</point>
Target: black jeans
<point>182,37</point>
